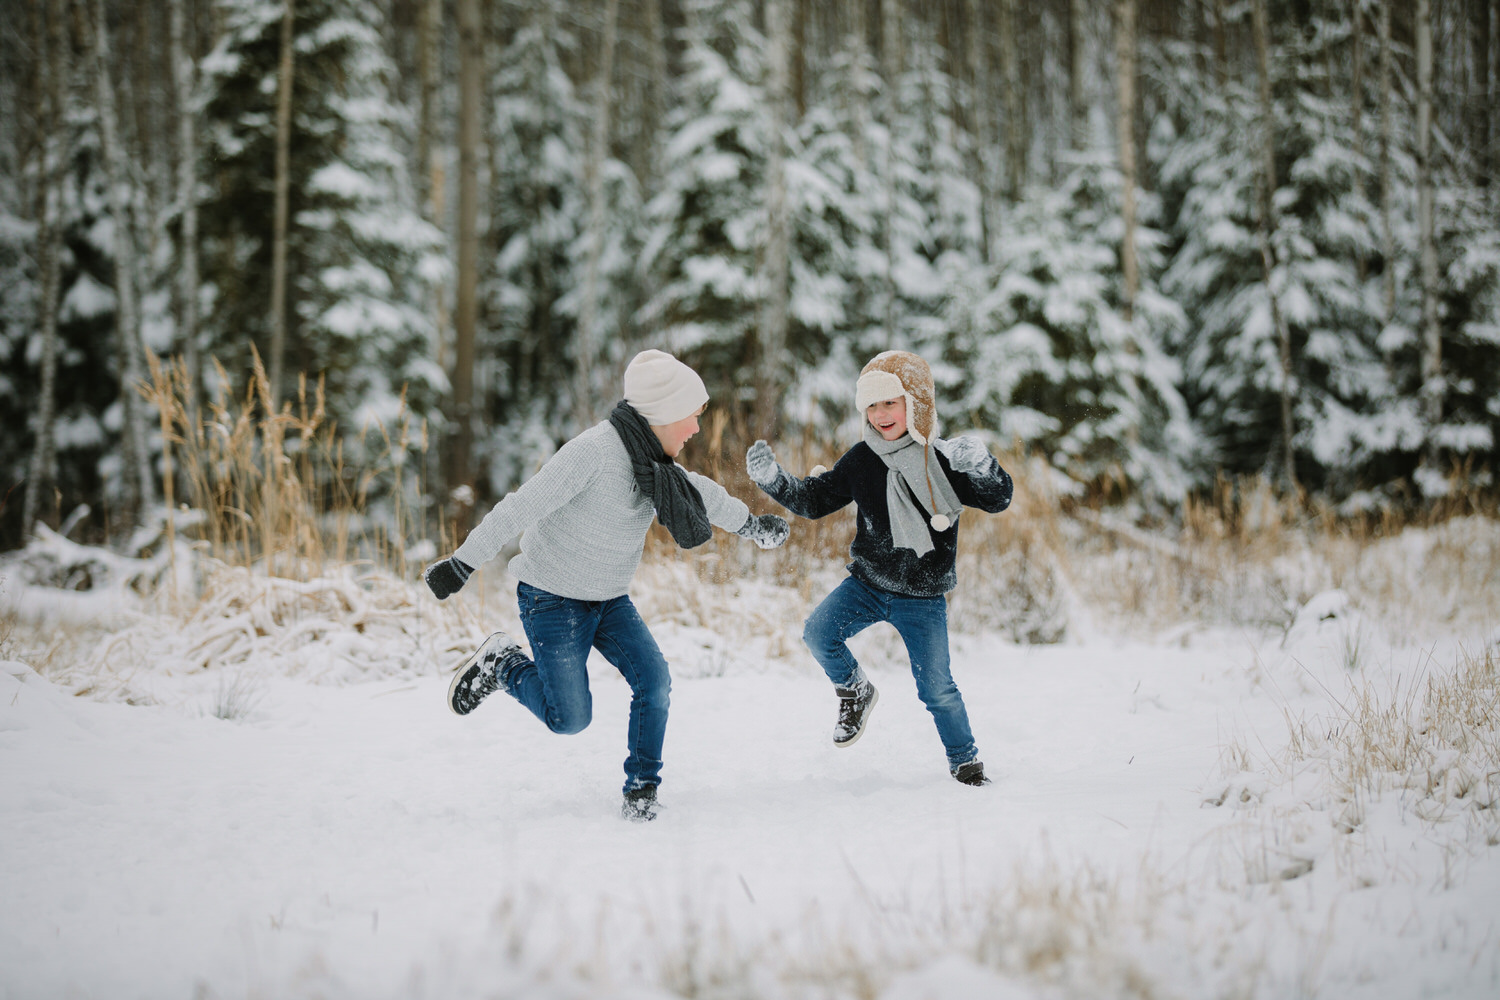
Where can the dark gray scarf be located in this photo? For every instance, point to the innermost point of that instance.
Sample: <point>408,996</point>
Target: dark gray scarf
<point>679,505</point>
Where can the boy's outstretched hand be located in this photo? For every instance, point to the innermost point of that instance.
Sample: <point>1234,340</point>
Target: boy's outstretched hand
<point>447,576</point>
<point>766,530</point>
<point>966,454</point>
<point>761,463</point>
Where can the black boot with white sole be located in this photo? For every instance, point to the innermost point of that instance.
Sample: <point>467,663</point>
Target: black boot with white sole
<point>855,703</point>
<point>479,676</point>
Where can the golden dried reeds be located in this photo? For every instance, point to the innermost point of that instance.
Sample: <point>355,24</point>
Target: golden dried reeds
<point>275,489</point>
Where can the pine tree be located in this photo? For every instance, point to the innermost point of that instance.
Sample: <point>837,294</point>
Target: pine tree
<point>537,210</point>
<point>1345,410</point>
<point>894,231</point>
<point>361,259</point>
<point>706,225</point>
<point>834,256</point>
<point>1053,365</point>
<point>1469,263</point>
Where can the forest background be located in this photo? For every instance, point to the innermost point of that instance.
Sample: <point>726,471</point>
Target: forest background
<point>1153,245</point>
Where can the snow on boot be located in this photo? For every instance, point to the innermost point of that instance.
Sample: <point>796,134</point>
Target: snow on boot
<point>971,773</point>
<point>640,804</point>
<point>854,711</point>
<point>478,677</point>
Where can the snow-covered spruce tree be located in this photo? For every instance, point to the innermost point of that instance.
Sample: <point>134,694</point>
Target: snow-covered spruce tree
<point>890,221</point>
<point>89,415</point>
<point>20,291</point>
<point>931,218</point>
<point>834,258</point>
<point>361,259</point>
<point>925,207</point>
<point>1469,317</point>
<point>1346,414</point>
<point>527,370</point>
<point>705,228</point>
<point>1051,364</point>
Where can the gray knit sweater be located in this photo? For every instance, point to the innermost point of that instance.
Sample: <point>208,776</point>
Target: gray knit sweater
<point>583,521</point>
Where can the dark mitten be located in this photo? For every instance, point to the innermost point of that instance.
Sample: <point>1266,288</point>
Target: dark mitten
<point>447,576</point>
<point>765,530</point>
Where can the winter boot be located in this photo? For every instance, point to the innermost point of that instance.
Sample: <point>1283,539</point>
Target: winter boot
<point>479,676</point>
<point>855,703</point>
<point>640,804</point>
<point>971,773</point>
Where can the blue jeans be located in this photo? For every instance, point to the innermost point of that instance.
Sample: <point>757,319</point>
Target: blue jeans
<point>555,684</point>
<point>923,625</point>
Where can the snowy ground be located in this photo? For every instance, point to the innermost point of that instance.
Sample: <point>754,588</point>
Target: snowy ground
<point>1145,833</point>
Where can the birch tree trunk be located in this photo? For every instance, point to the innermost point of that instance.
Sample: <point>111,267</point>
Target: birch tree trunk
<point>280,220</point>
<point>187,198</point>
<point>1125,52</point>
<point>1078,74</point>
<point>799,59</point>
<point>773,321</point>
<point>466,312</point>
<point>429,33</point>
<point>54,57</point>
<point>890,39</point>
<point>136,474</point>
<point>585,400</point>
<point>980,115</point>
<point>858,41</point>
<point>1479,100</point>
<point>1221,46</point>
<point>657,102</point>
<point>1492,105</point>
<point>1387,233</point>
<point>1432,344</point>
<point>890,68</point>
<point>1267,233</point>
<point>1357,109</point>
<point>1010,68</point>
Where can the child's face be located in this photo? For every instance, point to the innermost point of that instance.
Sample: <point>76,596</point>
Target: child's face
<point>674,435</point>
<point>888,418</point>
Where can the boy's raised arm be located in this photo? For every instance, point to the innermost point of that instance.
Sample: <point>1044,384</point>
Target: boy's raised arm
<point>730,513</point>
<point>813,497</point>
<point>978,478</point>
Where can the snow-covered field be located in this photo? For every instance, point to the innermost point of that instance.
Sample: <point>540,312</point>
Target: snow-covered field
<point>1183,813</point>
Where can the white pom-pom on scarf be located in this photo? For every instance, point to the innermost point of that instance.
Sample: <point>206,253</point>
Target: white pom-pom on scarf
<point>940,522</point>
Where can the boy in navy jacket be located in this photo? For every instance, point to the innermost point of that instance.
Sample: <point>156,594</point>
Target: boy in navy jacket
<point>909,487</point>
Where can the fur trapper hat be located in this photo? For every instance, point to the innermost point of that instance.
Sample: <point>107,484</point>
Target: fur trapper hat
<point>900,373</point>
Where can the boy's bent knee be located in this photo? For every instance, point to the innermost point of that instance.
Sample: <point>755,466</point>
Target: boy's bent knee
<point>815,634</point>
<point>657,694</point>
<point>569,723</point>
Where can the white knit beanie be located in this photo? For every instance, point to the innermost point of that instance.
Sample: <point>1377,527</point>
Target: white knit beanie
<point>663,389</point>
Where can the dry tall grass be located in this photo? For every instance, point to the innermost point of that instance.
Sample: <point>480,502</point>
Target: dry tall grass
<point>287,495</point>
<point>1052,567</point>
<point>275,489</point>
<point>1435,740</point>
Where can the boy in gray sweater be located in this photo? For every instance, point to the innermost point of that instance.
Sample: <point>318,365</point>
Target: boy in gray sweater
<point>582,520</point>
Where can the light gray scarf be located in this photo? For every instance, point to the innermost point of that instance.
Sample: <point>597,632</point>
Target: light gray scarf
<point>912,472</point>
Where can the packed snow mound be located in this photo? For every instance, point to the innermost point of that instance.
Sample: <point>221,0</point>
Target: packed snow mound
<point>30,701</point>
<point>55,579</point>
<point>1328,605</point>
<point>338,628</point>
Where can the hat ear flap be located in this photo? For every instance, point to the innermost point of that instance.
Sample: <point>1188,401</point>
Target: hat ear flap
<point>915,418</point>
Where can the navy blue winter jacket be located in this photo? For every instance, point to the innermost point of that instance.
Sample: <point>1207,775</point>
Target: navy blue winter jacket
<point>861,476</point>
